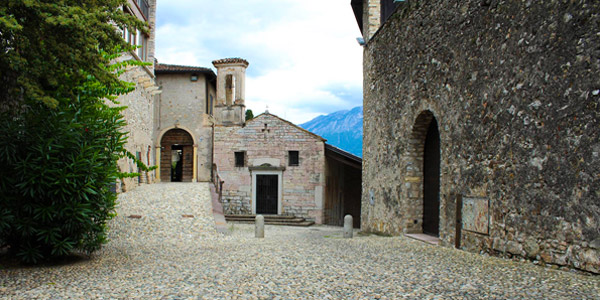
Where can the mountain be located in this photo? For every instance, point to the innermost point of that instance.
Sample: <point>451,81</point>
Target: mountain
<point>342,129</point>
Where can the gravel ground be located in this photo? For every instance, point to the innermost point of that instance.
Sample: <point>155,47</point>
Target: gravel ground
<point>166,256</point>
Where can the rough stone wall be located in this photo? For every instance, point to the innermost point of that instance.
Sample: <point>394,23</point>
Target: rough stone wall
<point>302,185</point>
<point>182,104</point>
<point>139,116</point>
<point>515,89</point>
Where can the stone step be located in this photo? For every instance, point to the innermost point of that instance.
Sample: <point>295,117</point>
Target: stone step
<point>270,220</point>
<point>267,217</point>
<point>300,224</point>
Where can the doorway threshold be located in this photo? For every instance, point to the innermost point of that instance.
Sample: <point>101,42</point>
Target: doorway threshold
<point>430,239</point>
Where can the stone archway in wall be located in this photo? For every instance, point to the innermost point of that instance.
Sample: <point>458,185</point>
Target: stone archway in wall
<point>176,156</point>
<point>424,157</point>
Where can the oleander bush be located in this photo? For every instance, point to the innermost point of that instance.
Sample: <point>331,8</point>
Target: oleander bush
<point>61,129</point>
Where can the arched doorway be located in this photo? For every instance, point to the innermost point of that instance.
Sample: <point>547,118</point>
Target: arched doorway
<point>176,156</point>
<point>423,175</point>
<point>431,180</point>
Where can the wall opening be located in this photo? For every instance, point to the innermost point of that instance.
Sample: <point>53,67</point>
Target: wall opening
<point>176,161</point>
<point>431,180</point>
<point>423,176</point>
<point>229,89</point>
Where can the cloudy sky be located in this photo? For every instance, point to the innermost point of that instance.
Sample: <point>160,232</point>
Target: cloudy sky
<point>303,54</point>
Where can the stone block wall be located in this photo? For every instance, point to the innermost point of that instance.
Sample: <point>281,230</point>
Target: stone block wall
<point>266,140</point>
<point>182,105</point>
<point>515,89</point>
<point>139,116</point>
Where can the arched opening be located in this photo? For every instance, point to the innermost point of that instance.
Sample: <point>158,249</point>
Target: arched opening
<point>431,180</point>
<point>229,89</point>
<point>176,156</point>
<point>423,176</point>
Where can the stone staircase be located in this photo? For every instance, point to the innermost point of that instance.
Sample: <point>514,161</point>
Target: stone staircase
<point>271,220</point>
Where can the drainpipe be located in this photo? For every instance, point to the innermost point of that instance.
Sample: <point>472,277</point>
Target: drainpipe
<point>212,153</point>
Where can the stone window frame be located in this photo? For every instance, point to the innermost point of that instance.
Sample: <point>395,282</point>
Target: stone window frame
<point>268,171</point>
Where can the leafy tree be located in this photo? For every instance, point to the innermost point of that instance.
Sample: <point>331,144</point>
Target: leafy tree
<point>48,47</point>
<point>249,115</point>
<point>61,127</point>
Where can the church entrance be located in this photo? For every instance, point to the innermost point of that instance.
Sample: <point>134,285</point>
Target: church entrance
<point>431,180</point>
<point>176,156</point>
<point>267,192</point>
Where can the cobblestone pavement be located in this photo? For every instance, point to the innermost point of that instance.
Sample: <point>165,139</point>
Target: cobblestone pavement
<point>163,255</point>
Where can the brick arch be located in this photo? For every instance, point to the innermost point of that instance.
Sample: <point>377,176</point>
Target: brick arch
<point>419,189</point>
<point>176,139</point>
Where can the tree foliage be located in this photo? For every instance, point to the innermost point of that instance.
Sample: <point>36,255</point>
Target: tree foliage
<point>48,47</point>
<point>61,127</point>
<point>249,115</point>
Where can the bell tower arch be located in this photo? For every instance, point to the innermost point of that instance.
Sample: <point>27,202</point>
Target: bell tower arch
<point>230,108</point>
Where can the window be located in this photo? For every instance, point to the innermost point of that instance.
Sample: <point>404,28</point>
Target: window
<point>240,159</point>
<point>209,105</point>
<point>142,43</point>
<point>129,36</point>
<point>144,7</point>
<point>294,159</point>
<point>136,38</point>
<point>229,89</point>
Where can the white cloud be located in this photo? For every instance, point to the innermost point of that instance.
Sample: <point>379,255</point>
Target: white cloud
<point>304,59</point>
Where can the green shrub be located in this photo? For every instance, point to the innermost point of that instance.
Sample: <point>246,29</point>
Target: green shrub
<point>60,140</point>
<point>57,167</point>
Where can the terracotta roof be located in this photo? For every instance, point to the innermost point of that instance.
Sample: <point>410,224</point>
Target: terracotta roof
<point>290,123</point>
<point>164,68</point>
<point>235,60</point>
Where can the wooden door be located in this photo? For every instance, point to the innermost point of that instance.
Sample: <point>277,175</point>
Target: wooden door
<point>267,191</point>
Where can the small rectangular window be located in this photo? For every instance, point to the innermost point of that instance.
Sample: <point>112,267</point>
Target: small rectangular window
<point>240,159</point>
<point>294,159</point>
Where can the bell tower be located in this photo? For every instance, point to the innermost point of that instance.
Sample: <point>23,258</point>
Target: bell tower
<point>230,108</point>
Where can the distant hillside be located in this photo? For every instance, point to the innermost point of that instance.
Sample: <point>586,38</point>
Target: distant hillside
<point>342,129</point>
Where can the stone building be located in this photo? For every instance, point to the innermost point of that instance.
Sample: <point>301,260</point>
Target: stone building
<point>481,125</point>
<point>183,122</point>
<point>271,166</point>
<point>268,165</point>
<point>140,102</point>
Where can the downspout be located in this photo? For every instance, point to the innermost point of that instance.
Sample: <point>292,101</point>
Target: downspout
<point>212,153</point>
<point>208,112</point>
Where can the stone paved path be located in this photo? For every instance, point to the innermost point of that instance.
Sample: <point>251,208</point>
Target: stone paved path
<point>166,256</point>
